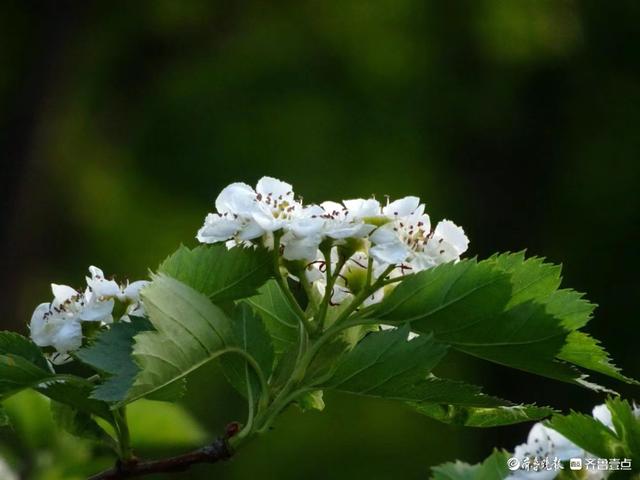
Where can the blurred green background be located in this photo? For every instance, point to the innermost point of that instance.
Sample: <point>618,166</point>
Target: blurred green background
<point>120,123</point>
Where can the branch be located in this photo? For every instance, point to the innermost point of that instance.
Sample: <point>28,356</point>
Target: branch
<point>217,450</point>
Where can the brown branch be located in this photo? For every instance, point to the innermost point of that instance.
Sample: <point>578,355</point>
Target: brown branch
<point>217,450</point>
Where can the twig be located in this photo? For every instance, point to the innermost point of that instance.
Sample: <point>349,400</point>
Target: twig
<point>216,451</point>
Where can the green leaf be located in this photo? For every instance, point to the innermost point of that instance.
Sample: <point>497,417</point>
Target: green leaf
<point>386,364</point>
<point>451,297</point>
<point>466,305</point>
<point>161,425</point>
<point>170,393</point>
<point>588,433</point>
<point>507,310</point>
<point>22,364</point>
<point>76,393</point>
<point>80,424</point>
<point>531,278</point>
<point>31,371</point>
<point>534,280</point>
<point>189,332</point>
<point>16,344</point>
<point>279,317</point>
<point>454,392</point>
<point>220,273</point>
<point>111,354</point>
<point>627,426</point>
<point>586,352</point>
<point>18,373</point>
<point>493,468</point>
<point>250,335</point>
<point>483,416</point>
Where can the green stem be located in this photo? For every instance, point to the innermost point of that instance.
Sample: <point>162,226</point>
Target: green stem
<point>308,290</point>
<point>362,296</point>
<point>284,286</point>
<point>332,277</point>
<point>264,386</point>
<point>124,437</point>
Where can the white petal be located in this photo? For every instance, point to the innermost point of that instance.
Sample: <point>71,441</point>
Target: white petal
<point>68,336</point>
<point>349,230</point>
<point>422,261</point>
<point>104,288</point>
<point>440,251</point>
<point>360,208</point>
<point>308,221</point>
<point>300,248</point>
<point>452,234</point>
<point>384,234</point>
<point>62,293</point>
<point>97,311</point>
<point>306,226</point>
<point>333,208</point>
<point>603,415</point>
<point>265,219</point>
<point>390,253</point>
<point>37,325</point>
<point>132,291</point>
<point>96,272</point>
<point>237,198</point>
<point>275,187</point>
<point>218,228</point>
<point>250,230</point>
<point>402,207</point>
<point>563,448</point>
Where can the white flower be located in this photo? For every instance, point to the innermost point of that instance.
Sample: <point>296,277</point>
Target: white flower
<point>246,214</point>
<point>350,280</point>
<point>397,234</point>
<point>404,236</point>
<point>543,443</point>
<point>58,324</point>
<point>304,234</point>
<point>346,221</point>
<point>52,327</point>
<point>86,306</point>
<point>220,227</point>
<point>447,243</point>
<point>100,285</point>
<point>407,240</point>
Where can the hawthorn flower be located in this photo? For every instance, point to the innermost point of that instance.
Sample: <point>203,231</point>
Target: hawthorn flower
<point>351,278</point>
<point>405,235</point>
<point>397,234</point>
<point>57,328</point>
<point>246,214</point>
<point>347,221</point>
<point>304,234</point>
<point>58,324</point>
<point>407,240</point>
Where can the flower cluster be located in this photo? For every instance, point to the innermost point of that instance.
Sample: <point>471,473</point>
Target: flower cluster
<point>544,443</point>
<point>397,235</point>
<point>58,323</point>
